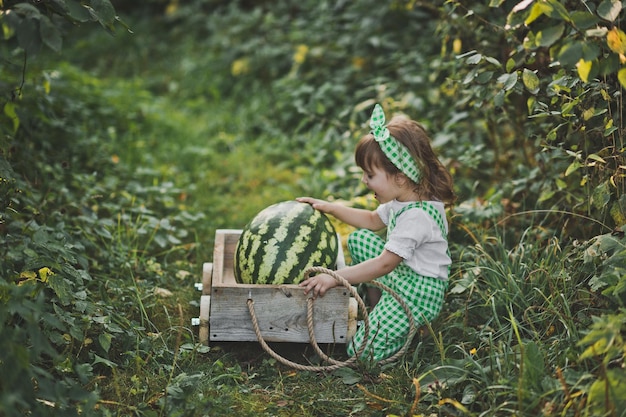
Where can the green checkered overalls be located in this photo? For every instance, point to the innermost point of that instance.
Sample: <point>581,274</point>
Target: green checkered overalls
<point>389,325</point>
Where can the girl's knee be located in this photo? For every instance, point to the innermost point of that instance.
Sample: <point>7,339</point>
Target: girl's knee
<point>358,236</point>
<point>364,244</point>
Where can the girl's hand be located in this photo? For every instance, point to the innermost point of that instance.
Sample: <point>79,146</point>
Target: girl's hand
<point>318,284</point>
<point>317,204</point>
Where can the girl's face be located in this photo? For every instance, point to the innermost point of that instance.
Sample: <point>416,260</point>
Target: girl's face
<point>383,185</point>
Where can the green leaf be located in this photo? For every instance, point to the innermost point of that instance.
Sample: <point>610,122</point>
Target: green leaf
<point>470,393</point>
<point>561,185</point>
<point>531,81</point>
<point>77,11</point>
<point>584,20</point>
<point>546,195</point>
<point>596,158</point>
<point>484,77</point>
<point>573,167</point>
<point>28,37</point>
<point>99,359</point>
<point>609,392</point>
<point>348,375</point>
<point>498,100</point>
<point>61,288</point>
<point>560,10</point>
<point>548,36</point>
<point>591,51</point>
<point>618,210</point>
<point>510,64</point>
<point>474,59</point>
<point>608,65</point>
<point>508,81</point>
<point>493,61</point>
<point>60,6</point>
<point>50,34</point>
<point>601,195</point>
<point>570,54</point>
<point>27,10</point>
<point>9,111</point>
<point>516,19</point>
<point>610,9</point>
<point>534,367</point>
<point>105,341</point>
<point>103,12</point>
<point>600,340</point>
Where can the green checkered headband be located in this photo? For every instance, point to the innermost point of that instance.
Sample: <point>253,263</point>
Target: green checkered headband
<point>397,153</point>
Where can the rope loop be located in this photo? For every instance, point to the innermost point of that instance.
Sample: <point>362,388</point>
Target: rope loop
<point>334,364</point>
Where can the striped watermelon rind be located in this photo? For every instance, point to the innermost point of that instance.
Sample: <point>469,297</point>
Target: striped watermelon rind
<point>283,241</point>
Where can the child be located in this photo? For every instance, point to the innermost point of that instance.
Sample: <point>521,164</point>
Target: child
<point>412,186</point>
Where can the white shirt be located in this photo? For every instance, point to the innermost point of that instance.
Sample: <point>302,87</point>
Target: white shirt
<point>417,238</point>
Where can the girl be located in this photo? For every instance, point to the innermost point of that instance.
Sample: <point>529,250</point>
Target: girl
<point>412,186</point>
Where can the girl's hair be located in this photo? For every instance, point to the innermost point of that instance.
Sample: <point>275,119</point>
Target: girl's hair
<point>435,180</point>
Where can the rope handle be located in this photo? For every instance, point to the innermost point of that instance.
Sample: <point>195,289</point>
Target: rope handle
<point>361,305</point>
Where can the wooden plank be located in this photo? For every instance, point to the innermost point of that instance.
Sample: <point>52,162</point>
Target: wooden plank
<point>205,308</point>
<point>207,278</point>
<point>353,313</point>
<point>281,314</point>
<point>224,255</point>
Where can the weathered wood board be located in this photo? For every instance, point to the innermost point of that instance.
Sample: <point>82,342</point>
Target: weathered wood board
<point>281,313</point>
<point>281,310</point>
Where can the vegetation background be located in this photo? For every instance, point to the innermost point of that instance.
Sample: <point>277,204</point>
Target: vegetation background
<point>131,131</point>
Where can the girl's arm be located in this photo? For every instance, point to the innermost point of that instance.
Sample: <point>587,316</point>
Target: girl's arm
<point>363,272</point>
<point>360,218</point>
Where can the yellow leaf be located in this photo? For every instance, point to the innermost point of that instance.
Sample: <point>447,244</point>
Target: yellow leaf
<point>28,275</point>
<point>454,403</point>
<point>584,68</point>
<point>171,8</point>
<point>456,46</point>
<point>358,62</point>
<point>535,12</point>
<point>44,273</point>
<point>616,39</point>
<point>605,95</point>
<point>300,55</point>
<point>621,76</point>
<point>9,110</point>
<point>589,113</point>
<point>240,66</point>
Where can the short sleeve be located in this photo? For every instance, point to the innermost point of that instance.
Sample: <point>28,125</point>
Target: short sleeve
<point>383,212</point>
<point>412,229</point>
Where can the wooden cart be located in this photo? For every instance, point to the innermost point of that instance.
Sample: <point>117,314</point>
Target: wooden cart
<point>281,310</point>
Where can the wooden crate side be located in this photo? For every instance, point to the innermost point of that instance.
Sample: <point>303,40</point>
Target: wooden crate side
<point>224,255</point>
<point>205,308</point>
<point>281,313</point>
<point>207,277</point>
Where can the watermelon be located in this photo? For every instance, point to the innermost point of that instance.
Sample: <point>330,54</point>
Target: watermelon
<point>283,241</point>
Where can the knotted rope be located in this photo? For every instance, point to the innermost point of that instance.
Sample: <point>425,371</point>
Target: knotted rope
<point>334,364</point>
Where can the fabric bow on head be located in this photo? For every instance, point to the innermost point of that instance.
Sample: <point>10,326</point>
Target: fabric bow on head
<point>397,153</point>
